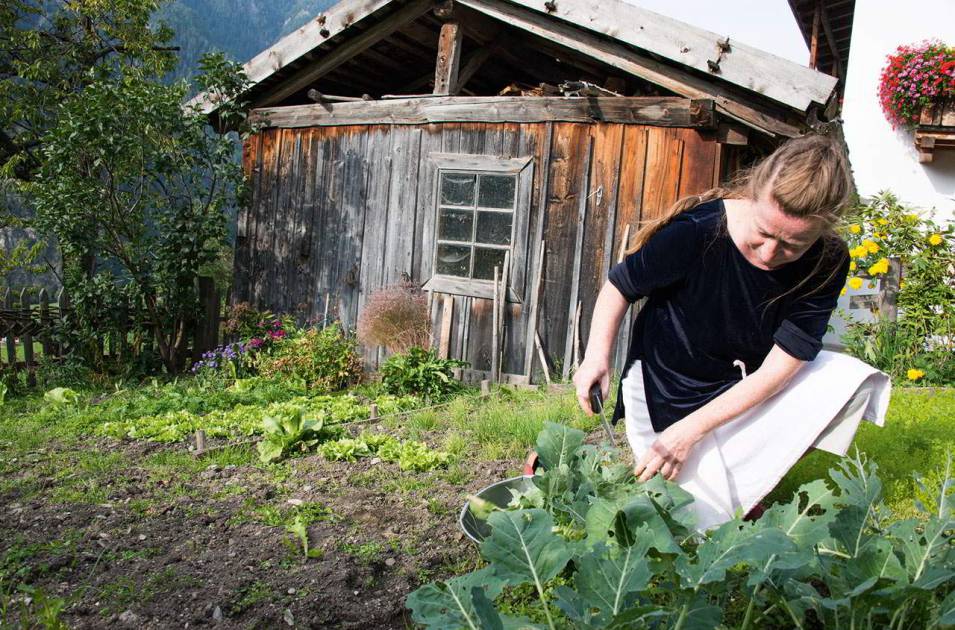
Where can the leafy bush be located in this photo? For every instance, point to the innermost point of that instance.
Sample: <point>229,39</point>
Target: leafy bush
<point>603,550</point>
<point>420,372</point>
<point>325,359</point>
<point>245,322</point>
<point>923,338</point>
<point>396,318</point>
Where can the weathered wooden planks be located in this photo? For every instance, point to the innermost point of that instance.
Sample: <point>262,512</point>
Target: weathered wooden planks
<point>342,211</point>
<point>644,110</point>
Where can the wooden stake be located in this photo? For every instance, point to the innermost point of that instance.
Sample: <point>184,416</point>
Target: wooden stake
<point>372,411</point>
<point>543,358</point>
<point>502,305</point>
<point>494,325</point>
<point>534,306</point>
<point>447,312</point>
<point>200,442</point>
<point>325,316</point>
<point>576,339</point>
<point>485,387</point>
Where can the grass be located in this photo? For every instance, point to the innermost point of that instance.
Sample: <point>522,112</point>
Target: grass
<point>918,436</point>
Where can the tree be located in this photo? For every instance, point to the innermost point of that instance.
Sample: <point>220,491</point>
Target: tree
<point>140,183</point>
<point>49,51</point>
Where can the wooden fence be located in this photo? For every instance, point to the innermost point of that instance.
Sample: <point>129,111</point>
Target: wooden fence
<point>29,319</point>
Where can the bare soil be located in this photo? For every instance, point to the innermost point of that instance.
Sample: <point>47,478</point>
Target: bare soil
<point>191,548</point>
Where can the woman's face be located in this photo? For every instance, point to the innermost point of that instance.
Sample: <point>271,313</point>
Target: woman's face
<point>771,238</point>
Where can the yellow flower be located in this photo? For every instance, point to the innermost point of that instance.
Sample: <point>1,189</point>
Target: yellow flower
<point>843,292</point>
<point>914,374</point>
<point>855,283</point>
<point>859,252</point>
<point>901,284</point>
<point>935,239</point>
<point>853,266</point>
<point>880,267</point>
<point>870,246</point>
<point>912,217</point>
<point>855,228</point>
<point>883,221</point>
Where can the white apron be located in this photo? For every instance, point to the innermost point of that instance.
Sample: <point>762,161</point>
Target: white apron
<point>740,462</point>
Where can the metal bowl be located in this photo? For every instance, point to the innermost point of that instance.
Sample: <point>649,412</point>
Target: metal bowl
<point>498,494</point>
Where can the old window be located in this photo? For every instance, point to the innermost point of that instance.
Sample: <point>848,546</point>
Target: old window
<point>480,213</point>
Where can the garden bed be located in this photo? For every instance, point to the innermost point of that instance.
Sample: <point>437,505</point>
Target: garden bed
<point>99,531</point>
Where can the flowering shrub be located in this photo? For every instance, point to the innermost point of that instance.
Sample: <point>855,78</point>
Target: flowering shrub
<point>245,322</point>
<point>916,76</point>
<point>325,359</point>
<point>396,318</point>
<point>920,346</point>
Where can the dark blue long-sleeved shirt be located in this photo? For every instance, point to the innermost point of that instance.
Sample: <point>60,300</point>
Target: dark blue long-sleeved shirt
<point>708,306</point>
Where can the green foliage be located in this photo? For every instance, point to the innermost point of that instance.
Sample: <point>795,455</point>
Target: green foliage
<point>232,413</point>
<point>920,346</point>
<point>61,396</point>
<point>128,170</point>
<point>420,372</point>
<point>325,359</point>
<point>288,432</point>
<point>606,551</point>
<point>410,455</point>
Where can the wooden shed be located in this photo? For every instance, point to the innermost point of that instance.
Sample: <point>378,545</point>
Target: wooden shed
<point>425,142</point>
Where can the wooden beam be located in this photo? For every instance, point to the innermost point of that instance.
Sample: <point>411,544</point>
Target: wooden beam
<point>746,67</point>
<point>624,58</point>
<point>300,42</point>
<point>345,51</point>
<point>831,39</point>
<point>655,111</point>
<point>814,38</point>
<point>449,58</point>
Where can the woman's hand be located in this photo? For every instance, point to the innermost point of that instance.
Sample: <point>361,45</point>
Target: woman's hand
<point>591,371</point>
<point>669,452</point>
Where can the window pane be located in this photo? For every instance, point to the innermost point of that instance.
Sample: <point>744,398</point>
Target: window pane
<point>484,261</point>
<point>497,191</point>
<point>494,228</point>
<point>455,225</point>
<point>457,189</point>
<point>453,260</point>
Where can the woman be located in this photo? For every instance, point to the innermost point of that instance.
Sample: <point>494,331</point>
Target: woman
<point>739,280</point>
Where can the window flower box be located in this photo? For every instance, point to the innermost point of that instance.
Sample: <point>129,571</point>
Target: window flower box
<point>935,130</point>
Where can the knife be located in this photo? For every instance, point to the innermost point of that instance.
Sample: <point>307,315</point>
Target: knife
<point>597,404</point>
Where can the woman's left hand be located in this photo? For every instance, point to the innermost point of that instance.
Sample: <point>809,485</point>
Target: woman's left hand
<point>668,453</point>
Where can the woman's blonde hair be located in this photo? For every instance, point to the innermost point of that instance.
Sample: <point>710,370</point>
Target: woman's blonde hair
<point>807,176</point>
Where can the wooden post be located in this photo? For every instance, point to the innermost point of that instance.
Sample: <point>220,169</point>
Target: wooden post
<point>502,307</point>
<point>200,442</point>
<point>449,58</point>
<point>27,338</point>
<point>534,307</point>
<point>46,324</point>
<point>888,309</point>
<point>372,411</point>
<point>63,305</point>
<point>494,324</point>
<point>577,337</point>
<point>485,387</point>
<point>325,316</point>
<point>447,312</point>
<point>814,39</point>
<point>11,329</point>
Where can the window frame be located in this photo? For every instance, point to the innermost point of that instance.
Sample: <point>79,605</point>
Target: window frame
<point>523,169</point>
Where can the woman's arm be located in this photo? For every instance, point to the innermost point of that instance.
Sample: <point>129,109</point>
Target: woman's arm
<point>608,311</point>
<point>672,447</point>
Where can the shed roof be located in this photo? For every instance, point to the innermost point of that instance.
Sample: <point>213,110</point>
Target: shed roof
<point>748,84</point>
